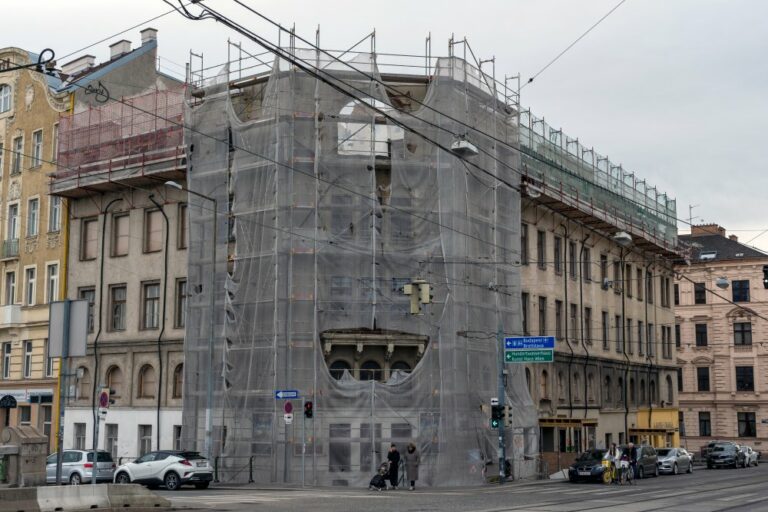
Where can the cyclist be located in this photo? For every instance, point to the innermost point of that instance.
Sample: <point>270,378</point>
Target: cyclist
<point>632,459</point>
<point>613,456</point>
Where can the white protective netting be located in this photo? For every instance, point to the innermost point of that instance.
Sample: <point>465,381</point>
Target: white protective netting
<point>330,210</point>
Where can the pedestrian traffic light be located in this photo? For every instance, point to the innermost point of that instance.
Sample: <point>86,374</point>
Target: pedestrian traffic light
<point>112,394</point>
<point>308,409</point>
<point>497,415</point>
<point>765,276</point>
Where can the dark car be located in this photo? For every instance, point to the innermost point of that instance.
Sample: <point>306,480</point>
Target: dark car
<point>725,455</point>
<point>647,460</point>
<point>588,467</point>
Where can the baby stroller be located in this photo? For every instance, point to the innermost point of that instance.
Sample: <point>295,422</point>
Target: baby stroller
<point>378,482</point>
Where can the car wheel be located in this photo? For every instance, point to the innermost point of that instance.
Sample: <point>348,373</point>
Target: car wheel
<point>641,473</point>
<point>123,478</point>
<point>75,479</point>
<point>171,481</point>
<point>202,485</point>
<point>690,467</point>
<point>674,469</point>
<point>656,471</point>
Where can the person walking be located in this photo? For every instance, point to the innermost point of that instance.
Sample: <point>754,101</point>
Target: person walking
<point>394,463</point>
<point>412,461</point>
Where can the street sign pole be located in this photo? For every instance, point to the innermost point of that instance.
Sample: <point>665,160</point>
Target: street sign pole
<point>502,400</point>
<point>64,387</point>
<point>303,439</point>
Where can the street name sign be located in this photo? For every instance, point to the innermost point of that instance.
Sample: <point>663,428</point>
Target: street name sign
<point>528,356</point>
<point>529,349</point>
<point>286,394</point>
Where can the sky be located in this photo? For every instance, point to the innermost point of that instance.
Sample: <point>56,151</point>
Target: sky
<point>674,90</point>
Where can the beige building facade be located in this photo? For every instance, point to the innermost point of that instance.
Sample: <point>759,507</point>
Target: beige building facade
<point>33,257</point>
<point>721,313</point>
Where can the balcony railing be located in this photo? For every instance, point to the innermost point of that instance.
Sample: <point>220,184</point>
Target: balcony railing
<point>11,248</point>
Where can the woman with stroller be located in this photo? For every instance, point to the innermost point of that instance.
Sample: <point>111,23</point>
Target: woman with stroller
<point>412,461</point>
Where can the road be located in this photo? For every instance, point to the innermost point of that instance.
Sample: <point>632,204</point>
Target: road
<point>703,491</point>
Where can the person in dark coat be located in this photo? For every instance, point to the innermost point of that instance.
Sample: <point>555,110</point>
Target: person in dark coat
<point>412,461</point>
<point>394,462</point>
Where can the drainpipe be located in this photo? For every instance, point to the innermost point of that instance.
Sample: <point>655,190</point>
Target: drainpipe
<point>624,343</point>
<point>581,316</point>
<point>647,354</point>
<point>162,318</point>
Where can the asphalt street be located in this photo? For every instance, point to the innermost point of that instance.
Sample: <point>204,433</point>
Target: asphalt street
<point>703,491</point>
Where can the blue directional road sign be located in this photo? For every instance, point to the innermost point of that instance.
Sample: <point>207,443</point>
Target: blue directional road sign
<point>529,342</point>
<point>286,394</point>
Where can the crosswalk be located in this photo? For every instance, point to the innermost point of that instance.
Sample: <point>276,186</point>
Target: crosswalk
<point>215,500</point>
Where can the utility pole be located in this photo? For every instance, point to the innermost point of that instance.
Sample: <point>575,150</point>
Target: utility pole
<point>502,402</point>
<point>690,214</point>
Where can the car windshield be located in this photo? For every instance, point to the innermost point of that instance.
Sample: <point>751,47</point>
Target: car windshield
<point>102,457</point>
<point>592,455</point>
<point>723,448</point>
<point>664,452</point>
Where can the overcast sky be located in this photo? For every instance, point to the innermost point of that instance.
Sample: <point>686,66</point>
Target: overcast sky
<point>675,90</point>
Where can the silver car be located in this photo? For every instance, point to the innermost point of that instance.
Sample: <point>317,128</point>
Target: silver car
<point>674,461</point>
<point>77,467</point>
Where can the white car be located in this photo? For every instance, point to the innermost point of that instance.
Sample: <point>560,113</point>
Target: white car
<point>169,468</point>
<point>750,456</point>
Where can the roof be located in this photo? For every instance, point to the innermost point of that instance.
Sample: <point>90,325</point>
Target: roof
<point>97,72</point>
<point>709,248</point>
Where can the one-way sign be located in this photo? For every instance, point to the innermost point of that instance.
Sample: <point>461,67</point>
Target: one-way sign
<point>286,394</point>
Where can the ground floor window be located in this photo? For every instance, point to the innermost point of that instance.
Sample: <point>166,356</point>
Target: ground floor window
<point>79,441</point>
<point>145,439</point>
<point>110,439</point>
<point>747,424</point>
<point>177,437</point>
<point>705,424</point>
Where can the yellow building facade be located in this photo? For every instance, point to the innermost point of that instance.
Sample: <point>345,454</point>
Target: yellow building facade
<point>33,227</point>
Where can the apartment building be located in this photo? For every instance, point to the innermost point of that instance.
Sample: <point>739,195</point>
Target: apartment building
<point>33,257</point>
<point>721,299</point>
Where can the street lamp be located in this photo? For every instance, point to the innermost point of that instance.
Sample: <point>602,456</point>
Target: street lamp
<point>209,383</point>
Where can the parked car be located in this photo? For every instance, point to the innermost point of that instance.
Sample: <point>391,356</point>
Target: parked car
<point>588,467</point>
<point>77,467</point>
<point>674,461</point>
<point>750,456</point>
<point>169,468</point>
<point>647,460</point>
<point>725,455</point>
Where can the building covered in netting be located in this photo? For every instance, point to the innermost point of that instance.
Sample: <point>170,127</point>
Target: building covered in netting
<point>331,193</point>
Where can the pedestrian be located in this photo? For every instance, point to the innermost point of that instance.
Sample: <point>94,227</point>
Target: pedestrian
<point>412,461</point>
<point>394,462</point>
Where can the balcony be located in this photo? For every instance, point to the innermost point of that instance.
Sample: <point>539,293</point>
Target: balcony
<point>10,249</point>
<point>10,315</point>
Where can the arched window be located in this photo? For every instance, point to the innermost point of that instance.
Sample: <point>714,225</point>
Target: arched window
<point>5,98</point>
<point>621,391</point>
<point>147,382</point>
<point>632,391</point>
<point>670,391</point>
<point>560,387</point>
<point>338,368</point>
<point>607,390</point>
<point>642,391</point>
<point>83,383</point>
<point>115,380</point>
<point>654,399</point>
<point>591,388</point>
<point>528,380</point>
<point>178,380</point>
<point>370,370</point>
<point>544,385</point>
<point>576,388</point>
<point>400,366</point>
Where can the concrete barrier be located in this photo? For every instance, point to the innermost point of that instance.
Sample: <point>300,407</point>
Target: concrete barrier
<point>19,500</point>
<point>133,495</point>
<point>72,497</point>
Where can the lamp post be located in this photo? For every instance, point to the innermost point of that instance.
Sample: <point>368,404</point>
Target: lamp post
<point>212,305</point>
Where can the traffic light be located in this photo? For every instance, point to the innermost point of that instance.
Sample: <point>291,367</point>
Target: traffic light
<point>765,276</point>
<point>497,415</point>
<point>112,393</point>
<point>308,409</point>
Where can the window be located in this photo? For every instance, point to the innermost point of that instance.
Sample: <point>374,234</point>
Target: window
<point>25,415</point>
<point>181,303</point>
<point>13,221</point>
<point>6,360</point>
<point>54,214</point>
<point>639,284</point>
<point>88,294</point>
<point>574,320</point>
<point>10,288</point>
<point>542,316</point>
<point>588,325</point>
<point>559,319</point>
<point>742,333</point>
<point>338,368</point>
<point>115,380</point>
<point>701,335</point>
<point>52,282</point>
<point>33,214</point>
<point>110,439</point>
<point>664,283</point>
<point>677,294</point>
<point>605,329</point>
<point>651,339</point>
<point>88,239</point>
<point>544,385</point>
<point>628,280</point>
<point>2,152</point>
<point>679,380</point>
<point>572,263</point>
<point>616,277</point>
<point>699,293</point>
<point>83,384</point>
<point>79,441</point>
<point>45,418</point>
<point>29,286</point>
<point>617,326</point>
<point>640,330</point>
<point>153,231</point>
<point>740,291</point>
<point>681,422</point>
<point>524,312</point>
<point>745,378</point>
<point>747,424</point>
<point>48,358</point>
<point>586,267</point>
<point>628,335</point>
<point>146,382</point>
<point>649,294</point>
<point>705,424</point>
<point>541,249</point>
<point>55,142</point>
<point>151,305</point>
<point>37,148</point>
<point>178,381</point>
<point>702,378</point>
<point>524,244</point>
<point>27,359</point>
<point>145,439</point>
<point>120,234</point>
<point>18,155</point>
<point>182,235</point>
<point>603,268</point>
<point>177,437</point>
<point>677,335</point>
<point>117,298</point>
<point>5,98</point>
<point>370,370</point>
<point>558,255</point>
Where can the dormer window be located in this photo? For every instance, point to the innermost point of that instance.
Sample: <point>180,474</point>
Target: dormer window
<point>707,255</point>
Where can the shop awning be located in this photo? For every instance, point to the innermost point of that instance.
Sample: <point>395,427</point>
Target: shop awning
<point>568,422</point>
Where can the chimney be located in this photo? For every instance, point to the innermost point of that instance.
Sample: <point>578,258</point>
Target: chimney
<point>79,64</point>
<point>734,238</point>
<point>119,48</point>
<point>707,229</point>
<point>147,35</point>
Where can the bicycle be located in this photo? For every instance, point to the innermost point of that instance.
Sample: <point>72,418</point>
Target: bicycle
<point>609,471</point>
<point>626,473</point>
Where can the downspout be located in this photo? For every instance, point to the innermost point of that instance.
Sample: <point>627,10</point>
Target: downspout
<point>162,317</point>
<point>624,344</point>
<point>581,317</point>
<point>98,332</point>
<point>647,354</point>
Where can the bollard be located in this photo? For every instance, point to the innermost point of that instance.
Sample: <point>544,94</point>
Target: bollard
<point>250,469</point>
<point>216,469</point>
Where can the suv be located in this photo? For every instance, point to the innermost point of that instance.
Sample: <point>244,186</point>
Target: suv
<point>77,467</point>
<point>647,460</point>
<point>725,455</point>
<point>169,468</point>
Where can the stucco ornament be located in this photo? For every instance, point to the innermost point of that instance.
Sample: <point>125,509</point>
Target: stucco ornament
<point>14,190</point>
<point>29,97</point>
